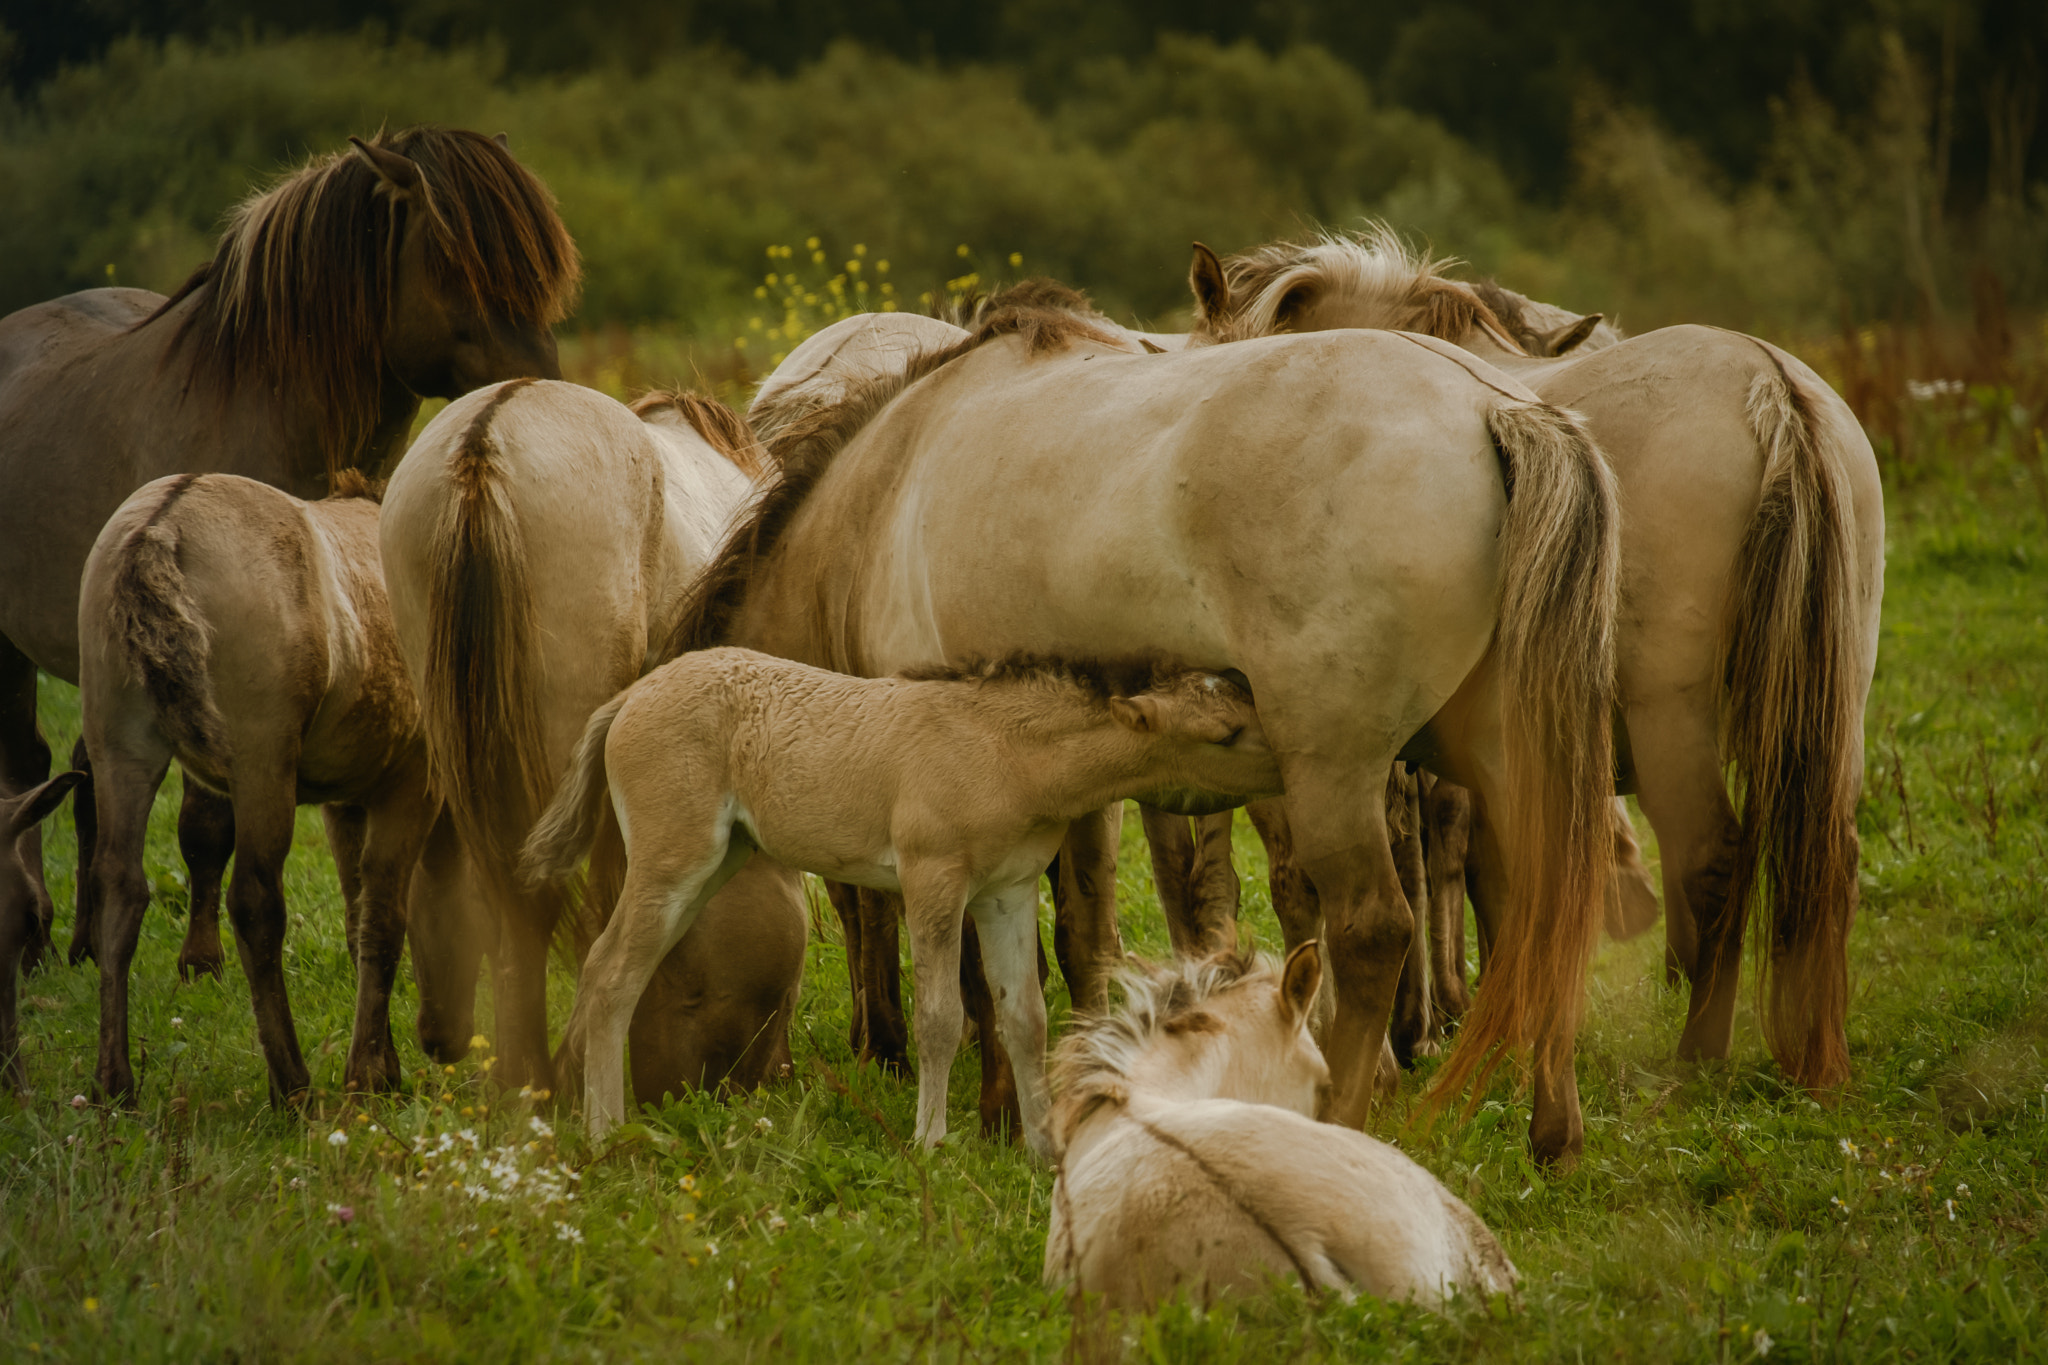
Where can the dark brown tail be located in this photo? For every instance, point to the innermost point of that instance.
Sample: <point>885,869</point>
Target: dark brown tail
<point>162,636</point>
<point>483,724</point>
<point>1789,730</point>
<point>1554,648</point>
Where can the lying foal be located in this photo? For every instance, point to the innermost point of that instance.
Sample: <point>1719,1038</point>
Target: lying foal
<point>954,788</point>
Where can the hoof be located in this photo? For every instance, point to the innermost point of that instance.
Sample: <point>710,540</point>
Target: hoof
<point>192,966</point>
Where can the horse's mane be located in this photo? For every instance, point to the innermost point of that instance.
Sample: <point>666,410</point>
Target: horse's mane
<point>1526,318</point>
<point>1406,289</point>
<point>1098,679</point>
<point>807,432</point>
<point>354,483</point>
<point>1091,1063</point>
<point>724,430</point>
<point>297,293</point>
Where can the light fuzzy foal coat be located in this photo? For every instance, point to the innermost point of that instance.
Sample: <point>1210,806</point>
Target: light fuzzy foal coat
<point>955,790</point>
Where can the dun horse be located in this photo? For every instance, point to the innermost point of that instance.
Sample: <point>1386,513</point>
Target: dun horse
<point>1190,1161</point>
<point>539,539</point>
<point>420,263</point>
<point>953,788</point>
<point>1753,563</point>
<point>1392,541</point>
<point>245,633</point>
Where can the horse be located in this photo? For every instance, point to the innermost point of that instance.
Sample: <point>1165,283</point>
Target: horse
<point>1753,571</point>
<point>1190,1161</point>
<point>952,787</point>
<point>417,263</point>
<point>18,816</point>
<point>245,633</point>
<point>538,539</point>
<point>1348,519</point>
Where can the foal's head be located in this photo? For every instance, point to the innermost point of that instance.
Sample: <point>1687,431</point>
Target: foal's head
<point>1214,752</point>
<point>1231,1027</point>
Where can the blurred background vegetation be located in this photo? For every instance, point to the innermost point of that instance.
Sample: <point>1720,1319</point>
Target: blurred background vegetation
<point>1800,168</point>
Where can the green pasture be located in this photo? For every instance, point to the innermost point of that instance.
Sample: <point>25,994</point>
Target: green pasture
<point>1717,1215</point>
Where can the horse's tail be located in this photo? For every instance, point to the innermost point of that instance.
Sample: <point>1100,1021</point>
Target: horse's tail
<point>477,704</point>
<point>1789,729</point>
<point>569,826</point>
<point>1554,651</point>
<point>162,635</point>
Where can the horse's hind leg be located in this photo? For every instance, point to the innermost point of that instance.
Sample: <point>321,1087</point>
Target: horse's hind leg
<point>393,835</point>
<point>1197,886</point>
<point>124,787</point>
<point>450,928</point>
<point>25,763</point>
<point>1085,937</point>
<point>266,794</point>
<point>1008,927</point>
<point>1447,832</point>
<point>206,838</point>
<point>1000,1113</point>
<point>85,894</point>
<point>874,966</point>
<point>1412,1029</point>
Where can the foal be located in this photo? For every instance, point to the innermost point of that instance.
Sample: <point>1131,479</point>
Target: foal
<point>1188,1160</point>
<point>954,787</point>
<point>244,632</point>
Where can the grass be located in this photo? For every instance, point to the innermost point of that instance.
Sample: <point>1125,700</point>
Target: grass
<point>1717,1216</point>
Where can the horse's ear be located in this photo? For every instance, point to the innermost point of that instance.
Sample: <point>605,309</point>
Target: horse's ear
<point>1300,979</point>
<point>20,814</point>
<point>504,142</point>
<point>401,173</point>
<point>1140,713</point>
<point>1570,337</point>
<point>1210,286</point>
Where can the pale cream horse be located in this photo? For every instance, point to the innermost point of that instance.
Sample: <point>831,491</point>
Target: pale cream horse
<point>953,788</point>
<point>1190,1162</point>
<point>1329,515</point>
<point>538,539</point>
<point>1753,577</point>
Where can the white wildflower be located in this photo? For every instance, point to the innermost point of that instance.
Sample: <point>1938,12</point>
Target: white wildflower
<point>337,1138</point>
<point>539,1129</point>
<point>565,1233</point>
<point>1762,1342</point>
<point>1950,1205</point>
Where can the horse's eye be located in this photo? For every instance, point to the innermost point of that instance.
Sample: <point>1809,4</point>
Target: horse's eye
<point>1231,738</point>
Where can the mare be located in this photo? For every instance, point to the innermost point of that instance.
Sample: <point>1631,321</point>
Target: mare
<point>1752,563</point>
<point>950,787</point>
<point>1384,535</point>
<point>418,263</point>
<point>538,539</point>
<point>18,816</point>
<point>1190,1161</point>
<point>245,633</point>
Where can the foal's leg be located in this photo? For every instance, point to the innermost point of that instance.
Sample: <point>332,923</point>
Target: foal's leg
<point>935,898</point>
<point>347,826</point>
<point>206,837</point>
<point>124,787</point>
<point>25,763</point>
<point>1085,937</point>
<point>396,832</point>
<point>266,795</point>
<point>1008,926</point>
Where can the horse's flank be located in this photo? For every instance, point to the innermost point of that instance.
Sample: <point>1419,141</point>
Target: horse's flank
<point>724,430</point>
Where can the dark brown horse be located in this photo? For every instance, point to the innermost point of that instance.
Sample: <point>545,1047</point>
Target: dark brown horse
<point>19,816</point>
<point>417,264</point>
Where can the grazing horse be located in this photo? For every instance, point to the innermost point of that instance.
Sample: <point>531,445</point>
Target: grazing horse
<point>1190,1161</point>
<point>539,538</point>
<point>18,816</point>
<point>419,263</point>
<point>245,633</point>
<point>1752,562</point>
<point>1393,542</point>
<point>950,787</point>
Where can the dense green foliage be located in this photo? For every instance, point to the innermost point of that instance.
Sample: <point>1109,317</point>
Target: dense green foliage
<point>1717,1214</point>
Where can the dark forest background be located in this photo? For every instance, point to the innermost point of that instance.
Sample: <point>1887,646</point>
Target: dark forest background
<point>1783,165</point>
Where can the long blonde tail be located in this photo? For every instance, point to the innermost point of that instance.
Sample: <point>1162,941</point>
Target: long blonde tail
<point>568,828</point>
<point>1554,648</point>
<point>1789,731</point>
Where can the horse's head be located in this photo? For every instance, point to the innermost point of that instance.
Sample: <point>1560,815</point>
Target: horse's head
<point>466,216</point>
<point>449,929</point>
<point>1215,754</point>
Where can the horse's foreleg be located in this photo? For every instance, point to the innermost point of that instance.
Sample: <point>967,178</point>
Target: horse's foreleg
<point>874,970</point>
<point>124,788</point>
<point>935,903</point>
<point>265,806</point>
<point>25,763</point>
<point>347,826</point>
<point>1009,935</point>
<point>1295,903</point>
<point>450,928</point>
<point>393,836</point>
<point>1412,1030</point>
<point>1085,937</point>
<point>206,838</point>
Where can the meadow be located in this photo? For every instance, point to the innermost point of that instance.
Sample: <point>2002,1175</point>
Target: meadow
<point>1717,1215</point>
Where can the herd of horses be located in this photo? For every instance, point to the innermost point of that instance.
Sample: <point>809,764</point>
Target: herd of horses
<point>1479,563</point>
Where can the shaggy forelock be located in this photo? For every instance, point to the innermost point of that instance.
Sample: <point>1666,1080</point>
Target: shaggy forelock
<point>1156,997</point>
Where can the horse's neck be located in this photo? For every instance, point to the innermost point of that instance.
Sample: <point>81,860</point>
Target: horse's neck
<point>1071,755</point>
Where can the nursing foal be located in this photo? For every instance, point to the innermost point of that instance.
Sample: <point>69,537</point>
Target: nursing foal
<point>952,786</point>
<point>1190,1161</point>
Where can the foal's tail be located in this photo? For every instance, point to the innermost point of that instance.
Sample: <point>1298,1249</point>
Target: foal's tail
<point>1790,728</point>
<point>1554,651</point>
<point>162,636</point>
<point>569,826</point>
<point>482,721</point>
